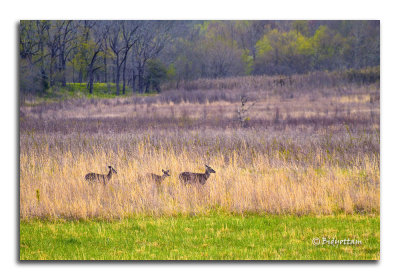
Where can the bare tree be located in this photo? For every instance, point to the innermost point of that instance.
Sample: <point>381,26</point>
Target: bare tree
<point>91,67</point>
<point>100,34</point>
<point>28,40</point>
<point>53,38</point>
<point>152,37</point>
<point>242,111</point>
<point>67,36</point>
<point>33,55</point>
<point>121,39</point>
<point>128,33</point>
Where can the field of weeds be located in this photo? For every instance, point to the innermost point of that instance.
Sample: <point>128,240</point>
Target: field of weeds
<point>255,172</point>
<point>303,149</point>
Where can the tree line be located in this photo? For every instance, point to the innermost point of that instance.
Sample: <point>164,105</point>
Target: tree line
<point>144,54</point>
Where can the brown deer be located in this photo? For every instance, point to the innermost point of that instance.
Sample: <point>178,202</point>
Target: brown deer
<point>196,178</point>
<point>101,178</point>
<point>157,178</point>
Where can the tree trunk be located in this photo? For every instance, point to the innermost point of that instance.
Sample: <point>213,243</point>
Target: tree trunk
<point>51,73</point>
<point>90,77</point>
<point>91,71</point>
<point>105,69</point>
<point>133,74</point>
<point>64,74</point>
<point>117,77</point>
<point>141,78</point>
<point>123,77</point>
<point>147,90</point>
<point>91,83</point>
<point>43,76</point>
<point>45,84</point>
<point>133,80</point>
<point>63,69</point>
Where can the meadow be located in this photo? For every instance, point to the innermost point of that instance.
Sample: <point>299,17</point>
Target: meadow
<point>215,236</point>
<point>304,153</point>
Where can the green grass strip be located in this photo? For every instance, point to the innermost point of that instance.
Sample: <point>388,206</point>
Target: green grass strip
<point>211,237</point>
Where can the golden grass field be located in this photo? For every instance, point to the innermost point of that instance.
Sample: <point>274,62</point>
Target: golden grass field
<point>305,151</point>
<point>303,179</point>
<point>53,185</point>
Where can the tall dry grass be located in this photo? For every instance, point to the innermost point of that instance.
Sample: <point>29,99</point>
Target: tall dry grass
<point>357,107</point>
<point>311,146</point>
<point>317,79</point>
<point>254,173</point>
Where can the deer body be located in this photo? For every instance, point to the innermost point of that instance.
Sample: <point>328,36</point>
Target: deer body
<point>157,178</point>
<point>196,178</point>
<point>101,178</point>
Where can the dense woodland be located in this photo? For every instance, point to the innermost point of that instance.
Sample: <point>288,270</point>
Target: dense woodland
<point>141,55</point>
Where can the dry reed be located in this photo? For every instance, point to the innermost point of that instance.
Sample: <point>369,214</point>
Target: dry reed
<point>267,175</point>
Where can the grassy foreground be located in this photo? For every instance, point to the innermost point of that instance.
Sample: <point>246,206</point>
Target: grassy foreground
<point>255,173</point>
<point>207,237</point>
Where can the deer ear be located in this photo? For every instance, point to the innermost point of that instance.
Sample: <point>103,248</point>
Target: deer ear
<point>163,170</point>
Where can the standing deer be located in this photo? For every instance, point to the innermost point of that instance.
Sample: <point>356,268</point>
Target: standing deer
<point>196,178</point>
<point>157,178</point>
<point>94,177</point>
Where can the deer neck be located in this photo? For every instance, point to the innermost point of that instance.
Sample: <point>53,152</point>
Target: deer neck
<point>207,174</point>
<point>109,175</point>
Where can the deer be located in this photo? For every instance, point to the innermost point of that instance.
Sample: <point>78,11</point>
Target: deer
<point>157,178</point>
<point>101,178</point>
<point>196,178</point>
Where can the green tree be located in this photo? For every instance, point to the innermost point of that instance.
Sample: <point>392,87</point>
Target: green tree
<point>156,74</point>
<point>283,53</point>
<point>328,46</point>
